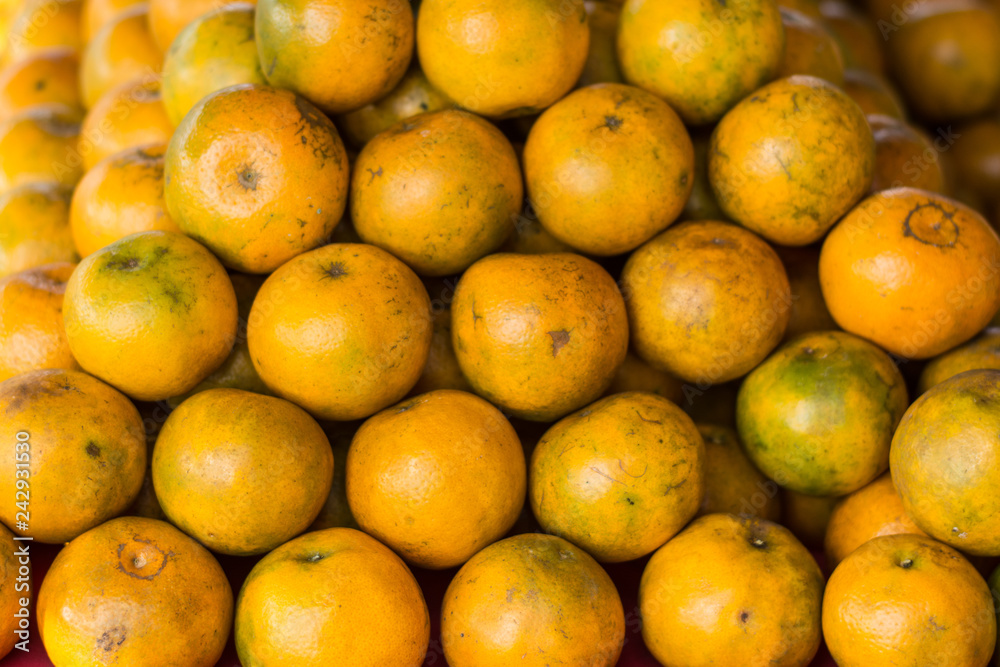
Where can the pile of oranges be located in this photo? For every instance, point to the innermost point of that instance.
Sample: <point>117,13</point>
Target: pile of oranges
<point>511,290</point>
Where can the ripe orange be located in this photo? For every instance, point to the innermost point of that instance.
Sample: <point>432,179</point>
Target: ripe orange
<point>38,25</point>
<point>807,516</point>
<point>48,76</point>
<point>34,218</point>
<point>857,34</point>
<point>904,156</point>
<point>121,51</point>
<point>733,484</point>
<point>131,115</point>
<point>602,53</point>
<point>336,512</point>
<point>636,375</point>
<point>441,370</point>
<point>810,48</point>
<point>873,93</point>
<point>168,17</point>
<point>981,352</point>
<point>808,311</point>
<point>95,14</point>
<point>40,143</point>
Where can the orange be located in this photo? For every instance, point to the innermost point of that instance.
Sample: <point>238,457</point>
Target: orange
<point>817,417</point>
<point>530,238</point>
<point>701,56</point>
<point>355,602</point>
<point>602,53</point>
<point>95,14</point>
<point>48,76</point>
<point>35,221</point>
<point>40,24</point>
<point>215,51</point>
<point>791,159</point>
<point>340,54</point>
<point>915,272</point>
<point>257,174</point>
<point>981,352</point>
<point>808,310</point>
<point>620,477</point>
<point>731,590</point>
<point>168,17</point>
<point>810,48</point>
<point>16,588</point>
<point>874,94</point>
<point>904,156</point>
<point>436,477</point>
<point>871,511</point>
<point>701,204</point>
<point>441,370</point>
<point>538,335</point>
<point>84,446</point>
<point>131,115</point>
<point>733,484</point>
<point>945,462</point>
<point>713,278</point>
<point>906,599</point>
<point>336,513</point>
<point>353,340</point>
<point>807,516</point>
<point>808,8</point>
<point>121,51</point>
<point>858,35</point>
<point>438,191</point>
<point>532,600</point>
<point>40,143</point>
<point>503,58</point>
<point>128,592</point>
<point>976,155</point>
<point>31,322</point>
<point>603,155</point>
<point>151,314</point>
<point>636,375</point>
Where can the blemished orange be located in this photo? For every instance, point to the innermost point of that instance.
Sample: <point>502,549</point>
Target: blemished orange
<point>788,161</point>
<point>121,195</point>
<point>340,54</point>
<point>907,599</point>
<point>602,53</point>
<point>127,592</point>
<point>257,174</point>
<point>13,591</point>
<point>715,278</point>
<point>532,600</point>
<point>32,336</point>
<point>913,271</point>
<point>438,191</point>
<point>808,310</point>
<point>487,55</point>
<point>151,314</point>
<point>436,477</point>
<point>167,18</point>
<point>857,34</point>
<point>807,516</point>
<point>95,14</point>
<point>620,477</point>
<point>538,335</point>
<point>121,51</point>
<point>701,56</point>
<point>38,25</point>
<point>353,341</point>
<point>871,511</point>
<point>40,143</point>
<point>48,76</point>
<point>873,93</point>
<point>944,462</point>
<point>130,115</point>
<point>85,446</point>
<point>35,220</point>
<point>733,484</point>
<point>604,154</point>
<point>355,602</point>
<point>979,353</point>
<point>810,48</point>
<point>732,590</point>
<point>636,375</point>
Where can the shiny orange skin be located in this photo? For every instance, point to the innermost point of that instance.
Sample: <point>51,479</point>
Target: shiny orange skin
<point>791,159</point>
<point>904,156</point>
<point>604,154</point>
<point>733,485</point>
<point>976,156</point>
<point>620,477</point>
<point>12,592</point>
<point>538,335</point>
<point>981,352</point>
<point>340,54</point>
<point>121,195</point>
<point>355,601</point>
<point>436,477</point>
<point>48,76</point>
<point>858,36</point>
<point>95,14</point>
<point>873,94</point>
<point>944,462</point>
<point>602,53</point>
<point>40,143</point>
<point>39,25</point>
<point>127,592</point>
<point>358,313</point>
<point>257,174</point>
<point>31,324</point>
<point>810,48</point>
<point>487,55</point>
<point>532,600</point>
<point>168,17</point>
<point>438,191</point>
<point>131,115</point>
<point>152,314</point>
<point>869,512</point>
<point>913,271</point>
<point>35,221</point>
<point>636,375</point>
<point>731,590</point>
<point>714,278</point>
<point>808,311</point>
<point>807,516</point>
<point>907,599</point>
<point>121,51</point>
<point>85,446</point>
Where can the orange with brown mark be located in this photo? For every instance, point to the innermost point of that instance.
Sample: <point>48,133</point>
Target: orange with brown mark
<point>48,76</point>
<point>35,221</point>
<point>733,485</point>
<point>40,143</point>
<point>121,51</point>
<point>131,115</point>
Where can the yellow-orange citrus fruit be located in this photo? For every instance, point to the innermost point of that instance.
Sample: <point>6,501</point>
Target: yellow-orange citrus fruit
<point>130,115</point>
<point>40,143</point>
<point>733,485</point>
<point>34,218</point>
<point>48,76</point>
<point>123,50</point>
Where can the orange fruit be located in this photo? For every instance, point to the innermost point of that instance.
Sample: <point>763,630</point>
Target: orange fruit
<point>34,218</point>
<point>16,589</point>
<point>913,271</point>
<point>602,53</point>
<point>489,55</point>
<point>818,415</point>
<point>909,599</point>
<point>702,204</point>
<point>874,94</point>
<point>340,54</point>
<point>131,115</point>
<point>438,191</point>
<point>733,485</point>
<point>942,455</point>
<point>441,370</point>
<point>976,156</point>
<point>979,353</point>
<point>128,591</point>
<point>904,156</point>
<point>858,35</point>
<point>168,17</point>
<point>95,14</point>
<point>336,512</point>
<point>808,311</point>
<point>354,339</point>
<point>807,516</point>
<point>636,375</point>
<point>84,446</point>
<point>773,167</point>
<point>121,51</point>
<point>152,314</point>
<point>257,174</point>
<point>808,8</point>
<point>40,143</point>
<point>530,238</point>
<point>714,278</point>
<point>48,76</point>
<point>605,154</point>
<point>38,25</point>
<point>810,48</point>
<point>538,335</point>
<point>620,477</point>
<point>731,590</point>
<point>31,323</point>
<point>354,601</point>
<point>532,600</point>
